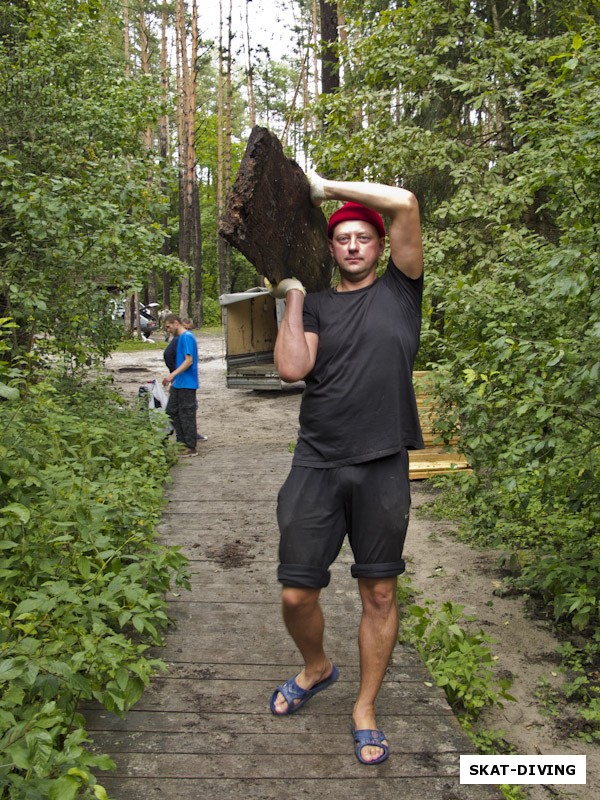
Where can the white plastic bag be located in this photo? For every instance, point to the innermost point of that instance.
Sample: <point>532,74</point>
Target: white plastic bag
<point>157,397</point>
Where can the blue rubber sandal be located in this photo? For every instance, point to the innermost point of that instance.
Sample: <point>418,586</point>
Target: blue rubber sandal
<point>369,738</point>
<point>296,696</point>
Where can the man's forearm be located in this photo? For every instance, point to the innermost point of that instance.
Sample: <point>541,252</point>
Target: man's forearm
<point>185,365</point>
<point>292,354</point>
<point>387,200</point>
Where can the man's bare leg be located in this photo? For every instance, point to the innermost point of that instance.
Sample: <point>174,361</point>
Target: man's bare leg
<point>377,637</point>
<point>304,621</point>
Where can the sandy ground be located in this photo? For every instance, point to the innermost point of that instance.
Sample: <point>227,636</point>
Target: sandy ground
<point>440,567</point>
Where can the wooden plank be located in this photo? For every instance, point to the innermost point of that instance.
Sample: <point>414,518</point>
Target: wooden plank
<point>374,784</point>
<point>398,727</point>
<point>414,736</point>
<point>434,456</point>
<point>424,463</point>
<point>407,666</point>
<point>237,617</point>
<point>424,474</point>
<point>252,697</point>
<point>432,439</point>
<point>326,766</point>
<point>259,647</point>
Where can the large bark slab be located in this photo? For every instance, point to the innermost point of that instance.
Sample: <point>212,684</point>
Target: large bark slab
<point>270,219</point>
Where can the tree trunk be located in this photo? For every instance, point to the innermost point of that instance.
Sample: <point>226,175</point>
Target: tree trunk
<point>221,257</point>
<point>193,194</point>
<point>164,150</point>
<point>190,240</point>
<point>126,38</point>
<point>292,107</point>
<point>226,280</point>
<point>330,70</point>
<point>307,122</point>
<point>197,314</point>
<point>315,40</point>
<point>224,150</point>
<point>182,123</point>
<point>128,315</point>
<point>250,73</point>
<point>145,62</point>
<point>150,292</point>
<point>270,219</point>
<point>343,37</point>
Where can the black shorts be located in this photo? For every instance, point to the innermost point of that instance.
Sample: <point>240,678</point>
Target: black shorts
<point>316,508</point>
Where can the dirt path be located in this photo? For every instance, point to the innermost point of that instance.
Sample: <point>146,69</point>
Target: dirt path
<point>440,567</point>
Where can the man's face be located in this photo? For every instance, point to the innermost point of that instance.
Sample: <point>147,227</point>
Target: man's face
<point>170,327</point>
<point>356,248</point>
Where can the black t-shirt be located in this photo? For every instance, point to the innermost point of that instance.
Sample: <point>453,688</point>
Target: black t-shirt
<point>170,354</point>
<point>359,402</point>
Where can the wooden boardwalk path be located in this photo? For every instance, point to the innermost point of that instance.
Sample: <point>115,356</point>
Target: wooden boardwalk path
<point>204,729</point>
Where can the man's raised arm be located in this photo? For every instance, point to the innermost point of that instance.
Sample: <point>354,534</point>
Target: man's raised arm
<point>399,205</point>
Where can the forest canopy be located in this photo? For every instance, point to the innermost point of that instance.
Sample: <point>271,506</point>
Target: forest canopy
<point>120,134</point>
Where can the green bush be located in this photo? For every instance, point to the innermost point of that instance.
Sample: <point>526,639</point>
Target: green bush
<point>566,579</point>
<point>460,660</point>
<point>211,310</point>
<point>82,578</point>
<point>499,141</point>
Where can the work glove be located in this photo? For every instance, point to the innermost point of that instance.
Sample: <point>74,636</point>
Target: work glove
<point>317,188</point>
<point>281,289</point>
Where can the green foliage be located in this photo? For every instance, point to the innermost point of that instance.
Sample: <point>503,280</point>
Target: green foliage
<point>575,705</point>
<point>512,792</point>
<point>461,663</point>
<point>211,311</point>
<point>459,660</point>
<point>82,578</point>
<point>493,743</point>
<point>488,742</point>
<point>493,121</point>
<point>77,199</point>
<point>520,347</point>
<point>139,346</point>
<point>580,691</point>
<point>565,578</point>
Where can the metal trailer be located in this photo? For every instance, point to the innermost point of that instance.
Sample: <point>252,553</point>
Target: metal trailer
<point>251,321</point>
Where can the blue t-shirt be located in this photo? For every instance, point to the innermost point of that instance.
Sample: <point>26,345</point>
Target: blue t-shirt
<point>187,346</point>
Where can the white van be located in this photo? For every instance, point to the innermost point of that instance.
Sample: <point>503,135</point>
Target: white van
<point>251,321</point>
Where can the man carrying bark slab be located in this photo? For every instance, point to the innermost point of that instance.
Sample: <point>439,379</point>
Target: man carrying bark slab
<point>355,346</point>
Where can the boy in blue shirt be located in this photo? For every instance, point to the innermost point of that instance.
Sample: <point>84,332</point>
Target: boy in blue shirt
<point>183,381</point>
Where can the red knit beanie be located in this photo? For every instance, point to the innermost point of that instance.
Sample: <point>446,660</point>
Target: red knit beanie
<point>351,211</point>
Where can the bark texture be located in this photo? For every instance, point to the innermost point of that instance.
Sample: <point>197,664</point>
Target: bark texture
<point>270,219</point>
<point>330,78</point>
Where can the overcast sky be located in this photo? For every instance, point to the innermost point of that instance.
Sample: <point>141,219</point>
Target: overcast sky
<point>270,23</point>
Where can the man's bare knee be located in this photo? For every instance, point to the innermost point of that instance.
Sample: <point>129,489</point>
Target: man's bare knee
<point>296,599</point>
<point>378,596</point>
